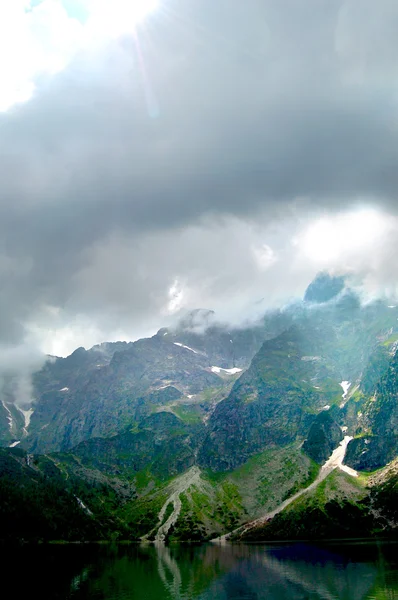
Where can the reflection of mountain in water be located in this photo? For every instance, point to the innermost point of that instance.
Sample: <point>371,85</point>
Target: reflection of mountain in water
<point>345,571</point>
<point>318,574</point>
<point>169,571</point>
<point>293,573</point>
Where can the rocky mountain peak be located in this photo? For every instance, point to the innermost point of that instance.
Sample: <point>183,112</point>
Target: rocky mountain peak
<point>324,288</point>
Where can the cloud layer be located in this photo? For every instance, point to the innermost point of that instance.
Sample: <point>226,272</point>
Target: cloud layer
<point>183,164</point>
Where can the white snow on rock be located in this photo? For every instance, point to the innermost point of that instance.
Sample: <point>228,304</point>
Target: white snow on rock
<point>186,347</point>
<point>14,444</point>
<point>326,407</point>
<point>27,415</point>
<point>66,389</point>
<point>229,371</point>
<point>337,457</point>
<point>346,386</point>
<point>348,470</point>
<point>9,414</point>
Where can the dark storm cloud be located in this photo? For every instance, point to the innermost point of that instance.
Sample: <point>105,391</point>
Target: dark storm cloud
<point>237,110</point>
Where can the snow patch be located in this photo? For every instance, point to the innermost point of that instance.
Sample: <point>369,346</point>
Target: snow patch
<point>346,386</point>
<point>66,389</point>
<point>326,407</point>
<point>186,347</point>
<point>14,444</point>
<point>337,456</point>
<point>27,415</point>
<point>9,414</point>
<point>229,371</point>
<point>348,470</point>
<point>190,396</point>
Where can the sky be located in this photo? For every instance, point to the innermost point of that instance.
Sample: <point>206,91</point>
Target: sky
<point>166,155</point>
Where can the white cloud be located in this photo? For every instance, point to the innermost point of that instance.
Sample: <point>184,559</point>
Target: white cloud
<point>34,41</point>
<point>110,19</point>
<point>264,257</point>
<point>103,207</point>
<point>41,39</point>
<point>346,239</point>
<point>176,297</point>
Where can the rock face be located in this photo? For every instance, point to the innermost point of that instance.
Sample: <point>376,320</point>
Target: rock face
<point>324,288</point>
<point>323,437</point>
<point>273,403</point>
<point>100,391</point>
<point>102,398</point>
<point>294,376</point>
<point>378,442</point>
<point>162,444</point>
<point>368,453</point>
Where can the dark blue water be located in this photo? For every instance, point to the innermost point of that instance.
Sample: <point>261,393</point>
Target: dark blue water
<point>344,571</point>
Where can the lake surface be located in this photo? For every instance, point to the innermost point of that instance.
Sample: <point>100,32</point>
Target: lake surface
<point>297,571</point>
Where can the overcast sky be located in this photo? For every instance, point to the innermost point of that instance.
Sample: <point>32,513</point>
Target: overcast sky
<point>209,153</point>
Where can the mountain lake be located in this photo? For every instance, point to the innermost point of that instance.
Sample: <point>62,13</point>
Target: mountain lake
<point>343,570</point>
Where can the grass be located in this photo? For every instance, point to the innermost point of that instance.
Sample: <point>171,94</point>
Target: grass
<point>271,477</point>
<point>391,340</point>
<point>190,414</point>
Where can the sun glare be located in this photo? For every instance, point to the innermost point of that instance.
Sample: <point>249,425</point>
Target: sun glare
<point>116,17</point>
<point>330,238</point>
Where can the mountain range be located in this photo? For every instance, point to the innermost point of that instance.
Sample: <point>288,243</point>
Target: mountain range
<point>285,428</point>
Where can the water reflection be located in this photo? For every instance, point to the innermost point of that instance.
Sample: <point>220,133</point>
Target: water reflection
<point>169,571</point>
<point>344,571</point>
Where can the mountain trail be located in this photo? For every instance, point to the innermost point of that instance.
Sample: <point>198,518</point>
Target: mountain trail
<point>181,485</point>
<point>335,461</point>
